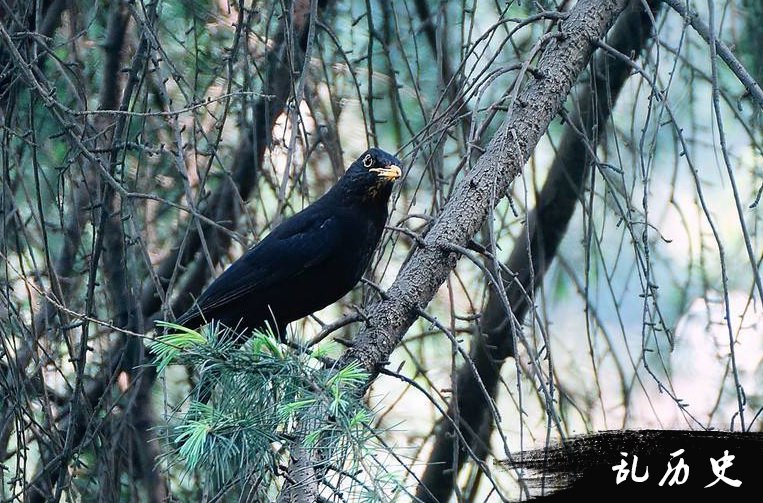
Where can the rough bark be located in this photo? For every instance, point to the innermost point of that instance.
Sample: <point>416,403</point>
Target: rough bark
<point>484,186</point>
<point>531,257</point>
<point>563,59</point>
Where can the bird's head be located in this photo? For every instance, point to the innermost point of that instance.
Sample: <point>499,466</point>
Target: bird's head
<point>373,173</point>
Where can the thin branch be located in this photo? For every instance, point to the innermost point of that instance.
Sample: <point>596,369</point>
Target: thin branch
<point>747,80</point>
<point>467,209</point>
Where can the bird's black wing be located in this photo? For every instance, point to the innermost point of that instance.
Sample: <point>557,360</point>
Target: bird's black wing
<point>298,244</point>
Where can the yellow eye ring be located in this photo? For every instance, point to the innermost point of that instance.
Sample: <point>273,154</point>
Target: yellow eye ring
<point>368,161</point>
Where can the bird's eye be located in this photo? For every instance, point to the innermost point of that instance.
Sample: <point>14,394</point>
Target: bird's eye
<point>368,161</point>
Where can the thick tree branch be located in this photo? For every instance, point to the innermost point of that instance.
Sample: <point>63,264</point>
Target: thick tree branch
<point>485,185</point>
<point>473,200</point>
<point>532,255</point>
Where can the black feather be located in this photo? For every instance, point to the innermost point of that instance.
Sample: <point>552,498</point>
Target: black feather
<point>310,260</point>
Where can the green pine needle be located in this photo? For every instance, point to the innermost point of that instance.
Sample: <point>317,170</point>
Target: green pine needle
<point>263,395</point>
<point>288,410</point>
<point>193,437</point>
<point>349,376</point>
<point>168,346</point>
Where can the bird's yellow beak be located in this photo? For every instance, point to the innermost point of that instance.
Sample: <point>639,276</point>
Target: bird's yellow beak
<point>389,173</point>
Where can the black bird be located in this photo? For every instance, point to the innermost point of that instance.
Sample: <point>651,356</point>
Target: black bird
<point>308,261</point>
